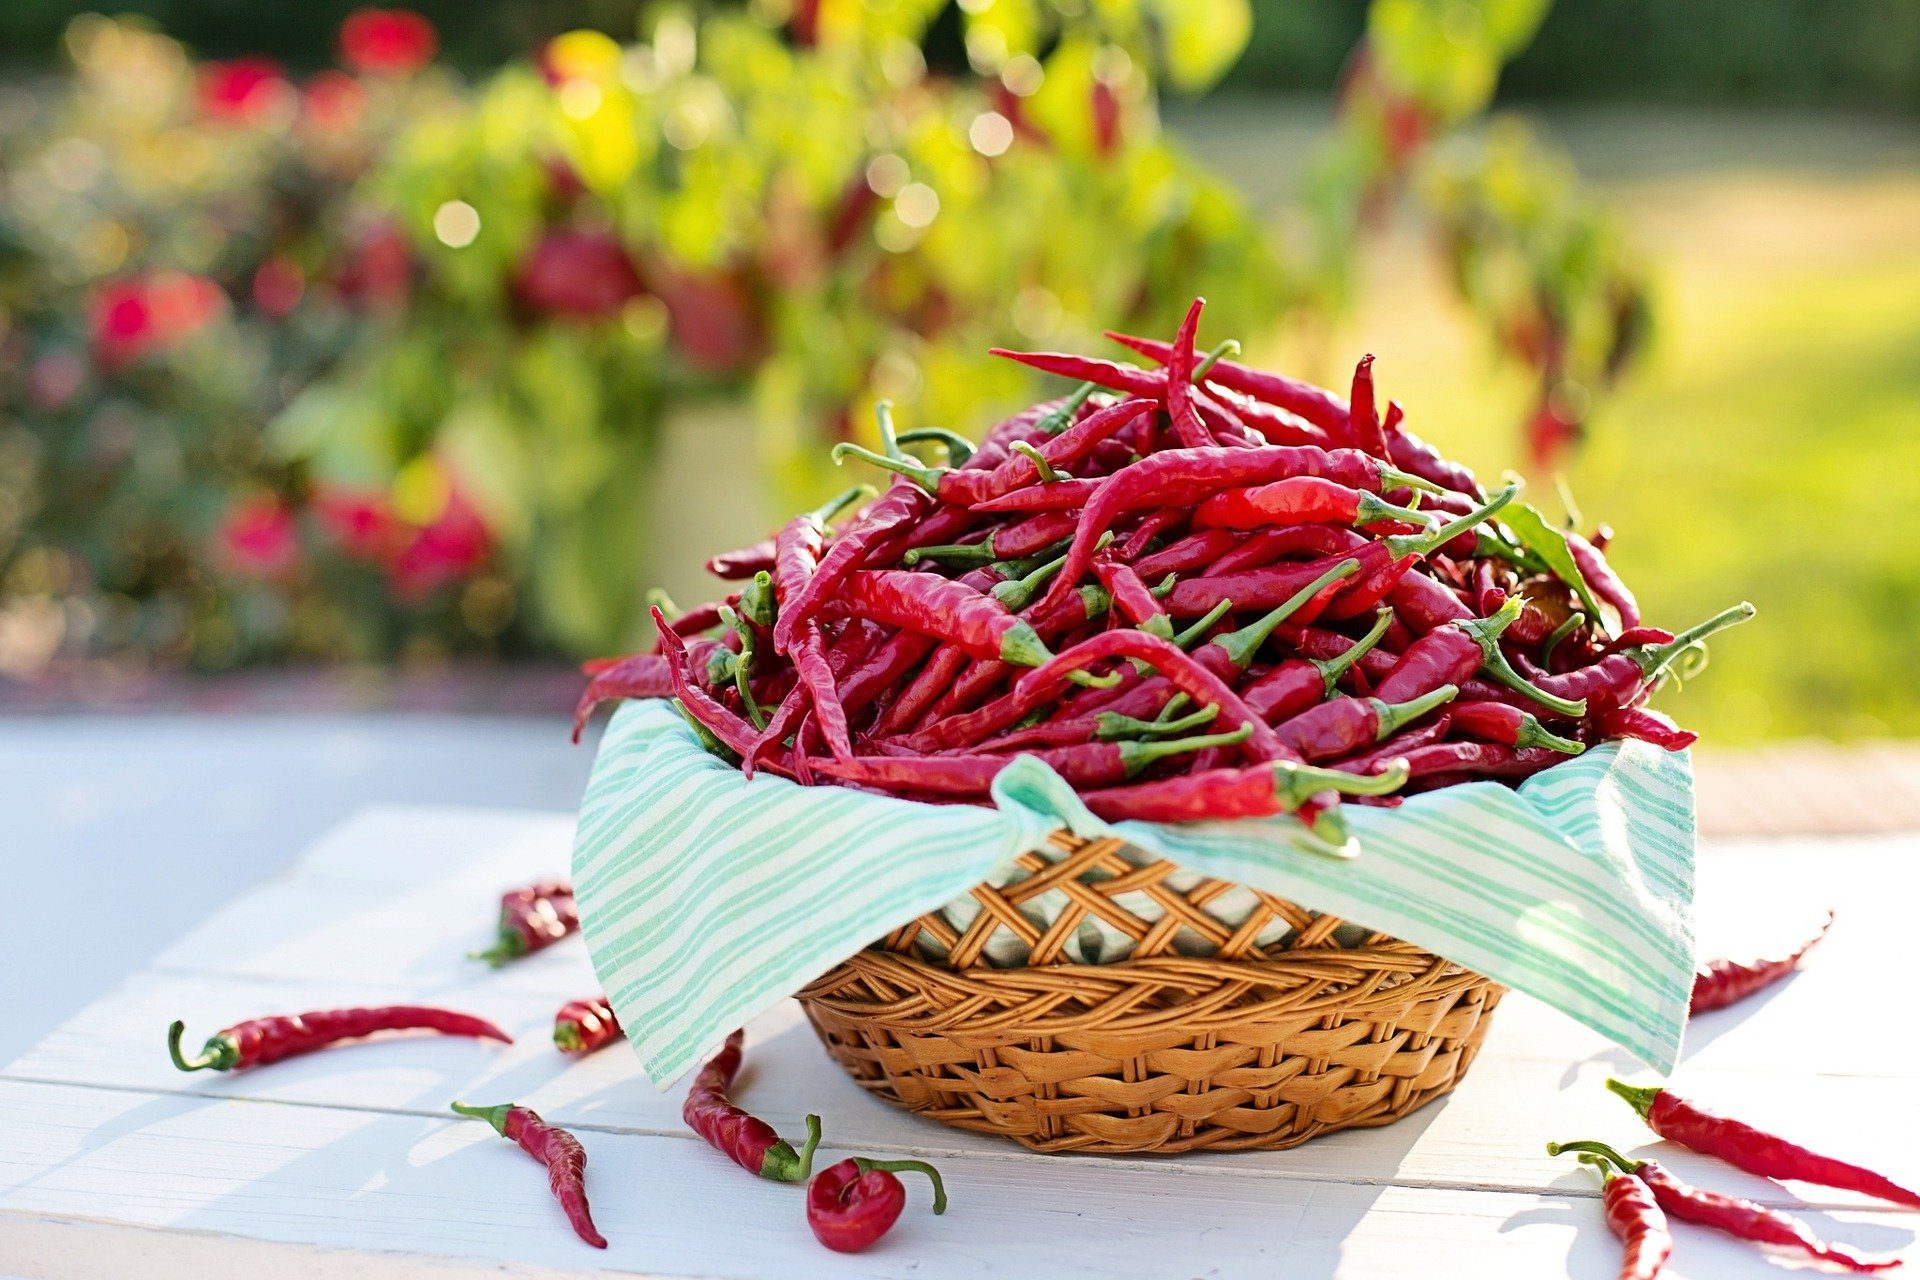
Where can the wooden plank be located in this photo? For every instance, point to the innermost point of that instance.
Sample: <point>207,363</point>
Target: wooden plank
<point>188,1182</point>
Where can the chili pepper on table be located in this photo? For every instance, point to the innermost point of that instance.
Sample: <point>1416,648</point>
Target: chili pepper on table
<point>1635,1216</point>
<point>749,1142</point>
<point>585,1026</point>
<point>1345,725</point>
<point>259,1041</point>
<point>852,1204</point>
<point>1740,1218</point>
<point>1754,1150</point>
<point>1299,500</point>
<point>1510,726</point>
<point>532,918</point>
<point>1299,684</point>
<point>1721,982</point>
<point>558,1151</point>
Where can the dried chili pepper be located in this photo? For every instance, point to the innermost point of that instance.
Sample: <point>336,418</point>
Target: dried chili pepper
<point>852,1204</point>
<point>639,675</point>
<point>1740,1218</point>
<point>532,918</point>
<point>749,1142</point>
<point>558,1151</point>
<point>1758,1152</point>
<point>1083,764</point>
<point>1635,1216</point>
<point>1600,577</point>
<point>1721,982</point>
<point>259,1041</point>
<point>584,1026</point>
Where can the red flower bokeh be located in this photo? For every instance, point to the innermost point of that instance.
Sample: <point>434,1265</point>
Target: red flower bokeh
<point>449,548</point>
<point>257,538</point>
<point>379,273</point>
<point>244,90</point>
<point>387,41</point>
<point>277,287</point>
<point>134,316</point>
<point>583,275</point>
<point>334,101</point>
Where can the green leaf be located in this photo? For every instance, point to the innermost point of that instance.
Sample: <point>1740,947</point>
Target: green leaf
<point>1547,542</point>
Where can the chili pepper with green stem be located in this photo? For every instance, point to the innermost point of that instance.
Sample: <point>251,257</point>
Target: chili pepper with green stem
<point>532,918</point>
<point>852,1204</point>
<point>1635,1216</point>
<point>1346,725</point>
<point>558,1152</point>
<point>1742,1219</point>
<point>898,508</point>
<point>1721,982</point>
<point>941,607</point>
<point>1298,684</point>
<point>585,1026</point>
<point>1452,653</point>
<point>1009,542</point>
<point>259,1041</point>
<point>1607,719</point>
<point>1084,764</point>
<point>1508,725</point>
<point>1253,791</point>
<point>1754,1150</point>
<point>749,1142</point>
<point>1299,500</point>
<point>1618,676</point>
<point>1601,579</point>
<point>1063,495</point>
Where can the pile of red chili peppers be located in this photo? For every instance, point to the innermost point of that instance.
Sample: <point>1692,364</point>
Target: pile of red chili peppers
<point>1196,590</point>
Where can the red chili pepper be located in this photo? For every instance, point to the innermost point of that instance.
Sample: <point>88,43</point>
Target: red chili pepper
<point>639,675</point>
<point>1758,1152</point>
<point>1739,1218</point>
<point>898,508</point>
<point>1600,577</point>
<point>1363,419</point>
<point>1635,1216</point>
<point>532,918</point>
<point>1321,408</point>
<point>1606,720</point>
<point>584,1026</point>
<point>1256,791</point>
<point>1183,419</point>
<point>744,563</point>
<point>1509,725</point>
<point>749,1142</point>
<point>1061,495</point>
<point>1454,652</point>
<point>1618,676</point>
<point>1268,545</point>
<point>970,487</point>
<point>1299,500</point>
<point>1131,597</point>
<point>731,732</point>
<point>558,1151</point>
<point>1194,552</point>
<point>1722,982</point>
<point>1346,725</point>
<point>1083,764</point>
<point>853,1203</point>
<point>259,1041</point>
<point>1229,654</point>
<point>1478,759</point>
<point>940,607</point>
<point>1299,684</point>
<point>1151,528</point>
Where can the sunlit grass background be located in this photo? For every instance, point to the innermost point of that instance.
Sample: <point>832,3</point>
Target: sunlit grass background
<point>1767,448</point>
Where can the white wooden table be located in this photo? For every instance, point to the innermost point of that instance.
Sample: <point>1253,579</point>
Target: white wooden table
<point>113,1164</point>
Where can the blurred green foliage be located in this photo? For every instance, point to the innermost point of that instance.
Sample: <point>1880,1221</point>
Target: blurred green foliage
<point>1854,53</point>
<point>375,364</point>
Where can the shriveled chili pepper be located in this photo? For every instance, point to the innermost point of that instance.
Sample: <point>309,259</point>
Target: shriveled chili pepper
<point>1321,408</point>
<point>1362,417</point>
<point>259,1041</point>
<point>969,487</point>
<point>1503,723</point>
<point>1600,576</point>
<point>1298,684</point>
<point>532,918</point>
<point>639,675</point>
<point>1062,495</point>
<point>1755,1150</point>
<point>558,1152</point>
<point>728,730</point>
<point>1618,676</point>
<point>1254,791</point>
<point>1722,981</point>
<point>1182,417</point>
<point>1740,1218</point>
<point>940,607</point>
<point>1082,764</point>
<point>852,1204</point>
<point>1299,500</point>
<point>1635,1216</point>
<point>584,1026</point>
<point>749,1142</point>
<point>1346,725</point>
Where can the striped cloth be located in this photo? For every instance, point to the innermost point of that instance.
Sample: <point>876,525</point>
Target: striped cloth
<point>707,898</point>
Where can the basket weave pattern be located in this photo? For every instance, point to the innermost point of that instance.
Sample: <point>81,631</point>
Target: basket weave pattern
<point>1251,1047</point>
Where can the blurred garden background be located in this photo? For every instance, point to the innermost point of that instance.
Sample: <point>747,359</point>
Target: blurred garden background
<point>427,339</point>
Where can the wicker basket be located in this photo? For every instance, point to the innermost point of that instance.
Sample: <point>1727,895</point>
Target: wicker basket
<point>1292,1025</point>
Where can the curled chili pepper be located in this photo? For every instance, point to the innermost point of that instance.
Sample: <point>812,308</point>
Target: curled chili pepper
<point>749,1142</point>
<point>852,1204</point>
<point>259,1041</point>
<point>532,918</point>
<point>584,1026</point>
<point>1721,982</point>
<point>558,1152</point>
<point>1740,1218</point>
<point>1636,1217</point>
<point>1755,1150</point>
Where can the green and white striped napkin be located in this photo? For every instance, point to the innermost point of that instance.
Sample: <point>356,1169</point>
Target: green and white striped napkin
<point>707,898</point>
